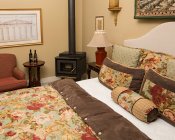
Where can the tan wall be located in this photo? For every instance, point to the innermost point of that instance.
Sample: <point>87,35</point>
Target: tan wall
<point>55,28</point>
<point>55,31</point>
<point>127,27</point>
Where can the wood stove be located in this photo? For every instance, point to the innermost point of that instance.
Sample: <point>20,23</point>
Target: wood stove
<point>71,64</point>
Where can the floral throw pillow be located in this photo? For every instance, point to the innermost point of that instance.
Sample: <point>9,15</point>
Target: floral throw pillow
<point>161,91</point>
<point>152,60</point>
<point>113,75</point>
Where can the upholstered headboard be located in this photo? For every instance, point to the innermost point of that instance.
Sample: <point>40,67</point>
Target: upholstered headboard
<point>159,39</point>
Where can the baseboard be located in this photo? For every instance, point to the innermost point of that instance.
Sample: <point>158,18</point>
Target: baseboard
<point>47,80</point>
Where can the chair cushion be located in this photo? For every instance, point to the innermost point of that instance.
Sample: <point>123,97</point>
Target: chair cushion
<point>10,83</point>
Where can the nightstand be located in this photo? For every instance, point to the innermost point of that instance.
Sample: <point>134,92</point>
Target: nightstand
<point>34,76</point>
<point>94,67</point>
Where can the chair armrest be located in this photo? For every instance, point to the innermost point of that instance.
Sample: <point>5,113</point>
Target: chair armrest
<point>17,73</point>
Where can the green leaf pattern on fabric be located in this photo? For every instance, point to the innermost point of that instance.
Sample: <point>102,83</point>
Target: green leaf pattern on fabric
<point>162,98</point>
<point>127,99</point>
<point>39,113</point>
<point>113,78</point>
<point>151,60</point>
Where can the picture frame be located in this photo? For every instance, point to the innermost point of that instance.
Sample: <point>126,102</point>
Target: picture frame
<point>99,23</point>
<point>20,27</point>
<point>154,9</point>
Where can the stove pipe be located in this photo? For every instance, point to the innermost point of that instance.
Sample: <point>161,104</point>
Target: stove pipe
<point>71,26</point>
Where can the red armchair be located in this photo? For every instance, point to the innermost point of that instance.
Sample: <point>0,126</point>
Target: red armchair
<point>11,77</point>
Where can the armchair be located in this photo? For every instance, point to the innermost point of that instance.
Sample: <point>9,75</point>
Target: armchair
<point>11,77</point>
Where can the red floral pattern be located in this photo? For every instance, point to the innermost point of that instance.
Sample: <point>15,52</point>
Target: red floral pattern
<point>157,96</point>
<point>163,98</point>
<point>156,89</point>
<point>152,60</point>
<point>36,137</point>
<point>131,101</point>
<point>39,114</point>
<point>169,114</point>
<point>113,78</point>
<point>10,133</point>
<point>35,106</point>
<point>88,135</point>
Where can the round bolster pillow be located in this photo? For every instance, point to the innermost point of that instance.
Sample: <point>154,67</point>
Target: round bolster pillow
<point>140,107</point>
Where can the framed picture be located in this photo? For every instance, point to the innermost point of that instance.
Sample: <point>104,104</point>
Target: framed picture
<point>99,23</point>
<point>154,9</point>
<point>20,27</point>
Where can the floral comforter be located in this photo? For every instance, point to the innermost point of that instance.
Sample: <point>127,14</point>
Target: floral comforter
<point>40,113</point>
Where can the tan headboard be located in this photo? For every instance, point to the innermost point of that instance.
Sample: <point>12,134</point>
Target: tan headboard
<point>159,39</point>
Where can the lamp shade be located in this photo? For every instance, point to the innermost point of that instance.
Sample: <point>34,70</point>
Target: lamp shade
<point>99,40</point>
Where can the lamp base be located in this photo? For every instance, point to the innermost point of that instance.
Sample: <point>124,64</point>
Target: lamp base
<point>100,55</point>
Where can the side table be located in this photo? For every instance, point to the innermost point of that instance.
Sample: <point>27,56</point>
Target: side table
<point>94,67</point>
<point>34,72</point>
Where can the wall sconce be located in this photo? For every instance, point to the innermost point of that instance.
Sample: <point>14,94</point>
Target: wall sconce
<point>114,7</point>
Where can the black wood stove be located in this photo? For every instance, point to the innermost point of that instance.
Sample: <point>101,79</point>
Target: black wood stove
<point>71,64</point>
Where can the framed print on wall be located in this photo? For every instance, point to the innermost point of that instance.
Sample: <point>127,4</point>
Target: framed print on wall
<point>20,27</point>
<point>154,9</point>
<point>99,23</point>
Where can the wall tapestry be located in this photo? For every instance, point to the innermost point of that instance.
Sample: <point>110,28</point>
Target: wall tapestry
<point>154,9</point>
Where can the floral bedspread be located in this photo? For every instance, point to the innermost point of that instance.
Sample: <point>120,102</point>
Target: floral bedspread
<point>40,113</point>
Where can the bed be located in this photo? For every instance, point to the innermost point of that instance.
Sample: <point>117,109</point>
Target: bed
<point>159,39</point>
<point>154,130</point>
<point>66,110</point>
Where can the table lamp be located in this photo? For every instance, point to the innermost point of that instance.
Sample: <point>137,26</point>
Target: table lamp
<point>100,41</point>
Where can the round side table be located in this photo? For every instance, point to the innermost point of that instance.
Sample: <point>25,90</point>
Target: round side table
<point>34,72</point>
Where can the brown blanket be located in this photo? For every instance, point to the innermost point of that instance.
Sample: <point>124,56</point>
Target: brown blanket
<point>107,124</point>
